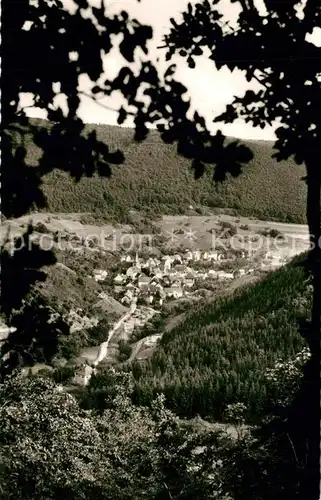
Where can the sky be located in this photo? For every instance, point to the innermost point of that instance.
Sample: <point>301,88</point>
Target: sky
<point>209,90</point>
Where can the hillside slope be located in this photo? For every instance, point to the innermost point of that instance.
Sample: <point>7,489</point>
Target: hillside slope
<point>219,354</point>
<point>153,176</point>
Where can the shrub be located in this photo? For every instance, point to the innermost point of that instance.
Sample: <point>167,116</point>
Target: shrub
<point>63,374</point>
<point>125,350</point>
<point>284,377</point>
<point>274,233</point>
<point>41,228</point>
<point>228,228</point>
<point>97,334</point>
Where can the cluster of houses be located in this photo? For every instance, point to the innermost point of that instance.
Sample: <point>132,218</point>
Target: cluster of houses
<point>154,280</point>
<point>273,260</point>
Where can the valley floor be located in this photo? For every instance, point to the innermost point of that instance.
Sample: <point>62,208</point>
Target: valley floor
<point>268,245</point>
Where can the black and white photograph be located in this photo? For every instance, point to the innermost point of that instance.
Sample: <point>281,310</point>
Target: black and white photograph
<point>160,318</point>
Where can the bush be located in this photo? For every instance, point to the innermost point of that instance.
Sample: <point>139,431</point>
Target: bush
<point>228,228</point>
<point>125,350</point>
<point>41,228</point>
<point>274,233</point>
<point>63,374</point>
<point>98,334</point>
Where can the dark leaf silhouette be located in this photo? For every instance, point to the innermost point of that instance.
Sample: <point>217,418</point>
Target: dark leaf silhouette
<point>199,168</point>
<point>273,49</point>
<point>59,46</point>
<point>45,59</point>
<point>22,259</point>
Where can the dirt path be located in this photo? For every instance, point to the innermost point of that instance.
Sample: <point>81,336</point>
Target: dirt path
<point>102,351</point>
<point>135,351</point>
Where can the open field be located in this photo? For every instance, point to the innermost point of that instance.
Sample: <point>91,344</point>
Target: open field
<point>70,284</point>
<point>177,231</point>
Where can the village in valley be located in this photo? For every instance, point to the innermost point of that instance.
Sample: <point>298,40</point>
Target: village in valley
<point>131,287</point>
<point>157,280</point>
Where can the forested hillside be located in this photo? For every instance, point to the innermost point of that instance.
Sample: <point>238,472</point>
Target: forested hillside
<point>154,178</point>
<point>220,353</point>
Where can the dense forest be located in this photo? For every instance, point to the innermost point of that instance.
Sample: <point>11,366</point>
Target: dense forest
<point>220,353</point>
<point>154,178</point>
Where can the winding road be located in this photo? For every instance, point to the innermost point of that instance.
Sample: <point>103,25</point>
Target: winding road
<point>102,351</point>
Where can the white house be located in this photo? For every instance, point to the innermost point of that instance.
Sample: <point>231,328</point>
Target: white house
<point>150,263</point>
<point>188,255</point>
<point>119,279</point>
<point>189,282</point>
<point>126,258</point>
<point>128,297</point>
<point>225,276</point>
<point>100,275</point>
<point>131,286</point>
<point>83,374</point>
<point>177,258</point>
<point>213,255</point>
<point>173,276</point>
<point>157,272</point>
<point>167,264</point>
<point>196,255</point>
<point>176,293</point>
<point>143,281</point>
<point>238,273</point>
<point>133,271</point>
